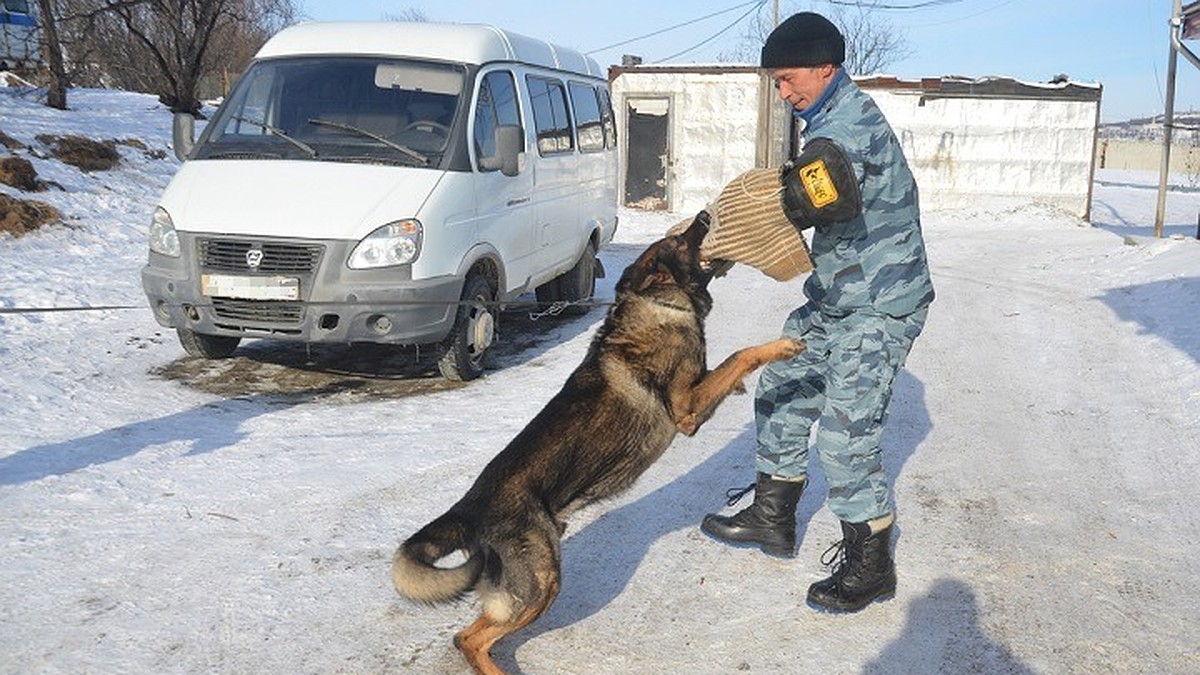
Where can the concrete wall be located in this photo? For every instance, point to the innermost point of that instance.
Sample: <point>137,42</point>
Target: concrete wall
<point>1146,155</point>
<point>964,148</point>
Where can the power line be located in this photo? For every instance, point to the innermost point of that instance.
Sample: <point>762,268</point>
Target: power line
<point>714,36</point>
<point>870,4</point>
<point>967,17</point>
<point>755,5</point>
<point>677,26</point>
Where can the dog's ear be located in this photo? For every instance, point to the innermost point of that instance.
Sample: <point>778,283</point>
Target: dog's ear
<point>671,262</point>
<point>653,267</point>
<point>698,230</point>
<point>659,277</point>
<point>639,275</point>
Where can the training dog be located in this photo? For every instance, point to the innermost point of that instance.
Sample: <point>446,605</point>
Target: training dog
<point>643,380</point>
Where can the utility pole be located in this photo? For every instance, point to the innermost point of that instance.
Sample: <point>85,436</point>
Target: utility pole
<point>766,110</point>
<point>1164,168</point>
<point>1182,25</point>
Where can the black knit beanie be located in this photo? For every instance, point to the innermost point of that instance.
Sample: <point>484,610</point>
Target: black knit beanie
<point>804,39</point>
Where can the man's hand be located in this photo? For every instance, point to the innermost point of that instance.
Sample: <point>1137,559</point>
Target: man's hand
<point>819,186</point>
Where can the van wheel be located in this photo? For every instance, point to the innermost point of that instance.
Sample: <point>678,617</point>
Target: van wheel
<point>578,284</point>
<point>207,346</point>
<point>468,345</point>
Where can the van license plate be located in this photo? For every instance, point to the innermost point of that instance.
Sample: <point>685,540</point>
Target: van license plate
<point>250,288</point>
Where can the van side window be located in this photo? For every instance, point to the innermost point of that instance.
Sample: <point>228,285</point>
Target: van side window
<point>496,105</point>
<point>587,117</point>
<point>550,116</point>
<point>606,117</point>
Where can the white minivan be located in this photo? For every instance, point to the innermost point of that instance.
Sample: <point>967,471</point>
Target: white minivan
<point>387,182</point>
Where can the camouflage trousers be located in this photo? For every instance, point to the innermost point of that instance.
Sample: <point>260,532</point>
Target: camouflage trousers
<point>842,384</point>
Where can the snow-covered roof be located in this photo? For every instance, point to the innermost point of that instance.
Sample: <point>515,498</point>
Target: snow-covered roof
<point>943,86</point>
<point>957,86</point>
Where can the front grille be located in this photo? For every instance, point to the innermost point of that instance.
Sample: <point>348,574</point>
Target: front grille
<point>230,255</point>
<point>258,311</point>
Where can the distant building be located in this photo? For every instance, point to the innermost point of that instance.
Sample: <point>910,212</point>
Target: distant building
<point>19,47</point>
<point>688,130</point>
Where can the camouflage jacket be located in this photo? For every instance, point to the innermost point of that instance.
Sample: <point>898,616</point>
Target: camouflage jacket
<point>876,260</point>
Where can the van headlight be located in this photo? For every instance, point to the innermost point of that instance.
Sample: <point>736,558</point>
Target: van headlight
<point>163,238</point>
<point>396,243</point>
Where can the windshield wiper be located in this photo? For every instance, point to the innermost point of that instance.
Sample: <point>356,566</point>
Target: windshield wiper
<point>278,132</point>
<point>241,154</point>
<point>373,136</point>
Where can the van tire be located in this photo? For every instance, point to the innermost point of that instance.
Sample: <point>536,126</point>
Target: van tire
<point>468,347</point>
<point>207,346</point>
<point>576,286</point>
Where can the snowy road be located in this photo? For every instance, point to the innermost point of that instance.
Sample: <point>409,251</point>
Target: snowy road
<point>1044,438</point>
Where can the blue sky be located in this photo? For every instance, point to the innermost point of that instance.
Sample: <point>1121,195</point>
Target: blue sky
<point>1121,44</point>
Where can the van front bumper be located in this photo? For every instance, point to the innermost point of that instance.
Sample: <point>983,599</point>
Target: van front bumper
<point>334,304</point>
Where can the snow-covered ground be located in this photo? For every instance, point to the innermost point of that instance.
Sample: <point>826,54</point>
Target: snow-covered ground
<point>1044,438</point>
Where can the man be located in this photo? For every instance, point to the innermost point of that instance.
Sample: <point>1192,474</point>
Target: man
<point>867,300</point>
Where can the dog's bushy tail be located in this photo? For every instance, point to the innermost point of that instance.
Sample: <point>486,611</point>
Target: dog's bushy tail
<point>414,568</point>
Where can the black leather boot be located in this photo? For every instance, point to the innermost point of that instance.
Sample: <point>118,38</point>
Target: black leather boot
<point>863,570</point>
<point>770,522</point>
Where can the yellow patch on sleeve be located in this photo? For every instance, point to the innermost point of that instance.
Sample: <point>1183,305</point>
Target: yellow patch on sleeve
<point>818,184</point>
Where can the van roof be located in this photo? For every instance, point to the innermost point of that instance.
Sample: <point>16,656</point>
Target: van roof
<point>462,43</point>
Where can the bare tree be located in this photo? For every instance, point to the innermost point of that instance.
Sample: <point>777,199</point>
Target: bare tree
<point>407,14</point>
<point>56,92</point>
<point>872,43</point>
<point>176,35</point>
<point>166,47</point>
<point>235,43</point>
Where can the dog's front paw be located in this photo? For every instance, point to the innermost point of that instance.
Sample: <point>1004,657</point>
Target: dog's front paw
<point>688,424</point>
<point>783,348</point>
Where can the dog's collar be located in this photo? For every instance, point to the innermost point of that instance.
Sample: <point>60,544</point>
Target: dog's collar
<point>672,305</point>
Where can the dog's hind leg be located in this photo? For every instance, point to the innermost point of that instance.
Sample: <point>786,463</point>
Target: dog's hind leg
<point>694,404</point>
<point>529,582</point>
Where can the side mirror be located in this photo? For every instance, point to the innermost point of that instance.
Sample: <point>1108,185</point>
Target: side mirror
<point>183,134</point>
<point>510,143</point>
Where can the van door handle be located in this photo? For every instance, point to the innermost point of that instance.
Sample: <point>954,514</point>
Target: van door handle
<point>514,202</point>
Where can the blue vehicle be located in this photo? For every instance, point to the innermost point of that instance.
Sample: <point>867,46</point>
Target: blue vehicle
<point>18,35</point>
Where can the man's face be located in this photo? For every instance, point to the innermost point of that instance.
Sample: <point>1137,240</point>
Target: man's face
<point>801,87</point>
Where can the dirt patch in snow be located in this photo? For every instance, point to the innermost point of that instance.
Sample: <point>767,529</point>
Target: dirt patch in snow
<point>18,216</point>
<point>82,153</point>
<point>18,172</point>
<point>360,372</point>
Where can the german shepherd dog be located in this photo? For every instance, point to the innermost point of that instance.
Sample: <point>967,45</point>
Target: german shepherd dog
<point>643,379</point>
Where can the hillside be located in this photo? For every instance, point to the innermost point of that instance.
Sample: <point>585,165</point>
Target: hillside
<point>1187,129</point>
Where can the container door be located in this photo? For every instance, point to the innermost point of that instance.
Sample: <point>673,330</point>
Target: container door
<point>647,154</point>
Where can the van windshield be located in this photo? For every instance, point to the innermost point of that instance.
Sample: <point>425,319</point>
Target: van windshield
<point>347,109</point>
